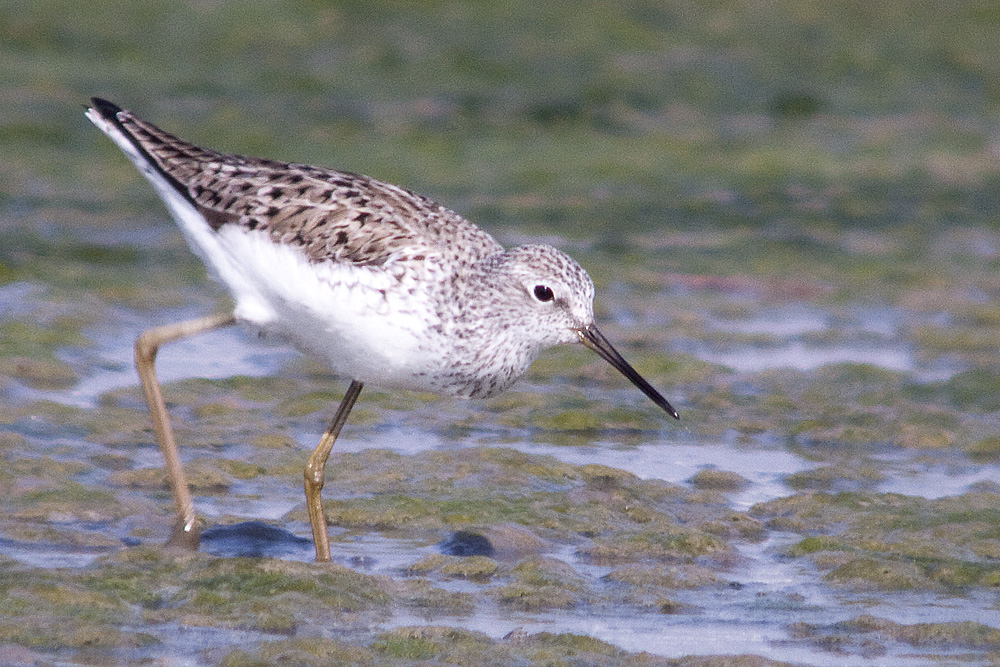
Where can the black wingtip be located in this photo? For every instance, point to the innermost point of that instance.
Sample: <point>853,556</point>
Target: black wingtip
<point>107,109</point>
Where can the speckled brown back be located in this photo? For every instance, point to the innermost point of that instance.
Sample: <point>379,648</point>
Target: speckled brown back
<point>332,215</point>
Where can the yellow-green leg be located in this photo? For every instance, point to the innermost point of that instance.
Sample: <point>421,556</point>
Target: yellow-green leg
<point>317,464</point>
<point>146,347</point>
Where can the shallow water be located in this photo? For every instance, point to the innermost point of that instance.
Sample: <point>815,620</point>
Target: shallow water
<point>765,593</point>
<point>795,339</point>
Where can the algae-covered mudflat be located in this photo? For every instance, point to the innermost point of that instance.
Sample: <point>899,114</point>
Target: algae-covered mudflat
<point>791,214</point>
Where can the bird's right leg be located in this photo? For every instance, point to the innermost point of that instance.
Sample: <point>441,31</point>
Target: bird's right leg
<point>146,346</point>
<point>317,464</point>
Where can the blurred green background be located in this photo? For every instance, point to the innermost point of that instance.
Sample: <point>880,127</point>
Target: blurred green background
<point>763,180</point>
<point>583,119</point>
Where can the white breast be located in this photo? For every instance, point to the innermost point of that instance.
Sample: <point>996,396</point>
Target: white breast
<point>361,320</point>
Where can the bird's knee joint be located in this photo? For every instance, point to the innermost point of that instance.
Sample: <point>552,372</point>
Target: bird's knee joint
<point>313,477</point>
<point>145,349</point>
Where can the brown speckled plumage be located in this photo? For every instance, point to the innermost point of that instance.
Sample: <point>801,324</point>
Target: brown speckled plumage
<point>332,215</point>
<point>385,284</point>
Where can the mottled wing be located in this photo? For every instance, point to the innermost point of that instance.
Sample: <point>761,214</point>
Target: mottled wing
<point>333,216</point>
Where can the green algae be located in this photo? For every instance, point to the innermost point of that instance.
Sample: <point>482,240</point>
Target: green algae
<point>811,545</point>
<point>233,590</point>
<point>671,577</point>
<point>256,389</point>
<point>678,544</point>
<point>204,477</point>
<point>534,598</point>
<point>986,450</point>
<point>384,513</point>
<point>45,535</point>
<point>976,390</point>
<point>879,574</point>
<point>421,596</point>
<point>892,542</point>
<point>507,490</point>
<point>36,343</point>
<point>312,402</point>
<point>568,420</point>
<point>961,634</point>
<point>44,467</point>
<point>49,612</point>
<point>870,636</point>
<point>68,633</point>
<point>274,441</point>
<point>736,526</point>
<point>719,480</point>
<point>848,476</point>
<point>430,564</point>
<point>91,608</point>
<point>437,644</point>
<point>265,595</point>
<point>539,583</point>
<point>240,469</point>
<point>422,643</point>
<point>68,501</point>
<point>303,651</point>
<point>475,568</point>
<point>139,576</point>
<point>39,373</point>
<point>623,518</point>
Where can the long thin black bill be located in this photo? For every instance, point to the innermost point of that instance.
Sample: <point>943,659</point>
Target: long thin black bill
<point>596,341</point>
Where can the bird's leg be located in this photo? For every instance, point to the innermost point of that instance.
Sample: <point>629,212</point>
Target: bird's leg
<point>317,464</point>
<point>146,346</point>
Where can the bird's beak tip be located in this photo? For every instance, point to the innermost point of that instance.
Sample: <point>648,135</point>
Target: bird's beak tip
<point>593,339</point>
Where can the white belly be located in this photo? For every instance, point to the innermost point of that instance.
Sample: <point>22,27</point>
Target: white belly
<point>360,320</point>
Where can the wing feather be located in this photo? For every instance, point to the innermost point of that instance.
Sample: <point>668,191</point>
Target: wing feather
<point>333,216</point>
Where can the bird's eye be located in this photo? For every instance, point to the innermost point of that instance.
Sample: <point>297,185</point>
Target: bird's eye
<point>543,293</point>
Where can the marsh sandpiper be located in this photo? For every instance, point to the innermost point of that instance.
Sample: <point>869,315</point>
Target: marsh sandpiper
<point>384,285</point>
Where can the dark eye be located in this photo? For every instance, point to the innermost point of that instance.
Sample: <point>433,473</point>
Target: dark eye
<point>543,293</point>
